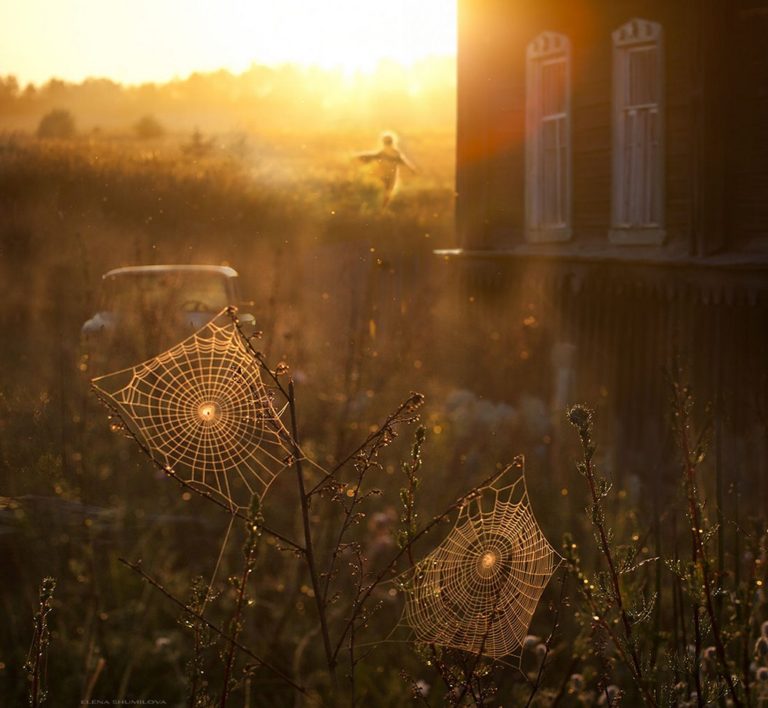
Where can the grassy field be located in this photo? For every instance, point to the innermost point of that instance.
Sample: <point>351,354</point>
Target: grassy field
<point>325,270</point>
<point>352,298</point>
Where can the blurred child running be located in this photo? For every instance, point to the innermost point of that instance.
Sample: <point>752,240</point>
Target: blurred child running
<point>387,161</point>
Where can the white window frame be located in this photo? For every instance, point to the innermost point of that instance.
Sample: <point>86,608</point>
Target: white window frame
<point>546,48</point>
<point>634,36</point>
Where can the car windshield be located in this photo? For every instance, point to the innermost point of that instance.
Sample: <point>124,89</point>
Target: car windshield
<point>192,291</point>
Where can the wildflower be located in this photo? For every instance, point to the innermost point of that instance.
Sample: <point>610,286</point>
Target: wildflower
<point>421,688</point>
<point>416,401</point>
<point>610,696</point>
<point>708,660</point>
<point>580,417</point>
<point>761,647</point>
<point>531,641</point>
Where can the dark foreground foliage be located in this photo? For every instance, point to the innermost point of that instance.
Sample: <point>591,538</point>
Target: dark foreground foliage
<point>663,598</point>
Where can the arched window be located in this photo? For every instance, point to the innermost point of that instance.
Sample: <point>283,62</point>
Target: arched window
<point>638,134</point>
<point>548,138</point>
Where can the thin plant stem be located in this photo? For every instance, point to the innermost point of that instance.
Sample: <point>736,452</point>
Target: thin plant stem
<point>581,418</point>
<point>470,674</point>
<point>195,660</point>
<point>349,517</point>
<point>698,550</point>
<point>251,546</point>
<point>413,402</point>
<point>40,638</point>
<point>564,683</point>
<point>136,568</point>
<point>360,601</point>
<point>169,472</point>
<point>548,642</point>
<point>309,554</point>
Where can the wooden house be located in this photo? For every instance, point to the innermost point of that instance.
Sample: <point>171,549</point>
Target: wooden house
<point>612,176</point>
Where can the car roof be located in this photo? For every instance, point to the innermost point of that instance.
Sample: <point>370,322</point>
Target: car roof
<point>226,271</point>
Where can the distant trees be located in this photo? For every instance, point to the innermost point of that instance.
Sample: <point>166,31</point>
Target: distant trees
<point>148,128</point>
<point>267,99</point>
<point>9,88</point>
<point>58,123</point>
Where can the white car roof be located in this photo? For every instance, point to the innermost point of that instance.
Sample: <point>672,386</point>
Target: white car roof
<point>226,271</point>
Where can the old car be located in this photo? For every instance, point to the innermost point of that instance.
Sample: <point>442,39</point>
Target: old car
<point>145,309</point>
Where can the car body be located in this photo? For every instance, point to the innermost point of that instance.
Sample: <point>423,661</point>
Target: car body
<point>145,309</point>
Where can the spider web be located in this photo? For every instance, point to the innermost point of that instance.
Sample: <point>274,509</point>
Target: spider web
<point>477,591</point>
<point>204,412</point>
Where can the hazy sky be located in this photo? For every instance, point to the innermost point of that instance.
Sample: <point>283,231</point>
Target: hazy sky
<point>155,40</point>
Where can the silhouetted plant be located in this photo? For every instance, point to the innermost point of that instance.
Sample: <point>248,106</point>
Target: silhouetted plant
<point>346,602</point>
<point>606,598</point>
<point>703,652</point>
<point>198,146</point>
<point>58,124</point>
<point>197,677</point>
<point>148,128</point>
<point>38,652</point>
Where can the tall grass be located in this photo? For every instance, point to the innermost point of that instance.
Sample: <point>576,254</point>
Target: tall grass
<point>351,296</point>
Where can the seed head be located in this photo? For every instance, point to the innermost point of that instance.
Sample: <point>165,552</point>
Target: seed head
<point>577,682</point>
<point>761,647</point>
<point>580,417</point>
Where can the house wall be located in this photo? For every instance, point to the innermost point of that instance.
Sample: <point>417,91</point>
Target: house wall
<point>716,113</point>
<point>748,117</point>
<point>626,314</point>
<point>614,336</point>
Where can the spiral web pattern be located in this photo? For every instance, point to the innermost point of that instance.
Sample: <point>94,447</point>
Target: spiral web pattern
<point>202,410</point>
<point>478,590</point>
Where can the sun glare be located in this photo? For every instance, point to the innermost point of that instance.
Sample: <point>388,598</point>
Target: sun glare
<point>356,36</point>
<point>159,39</point>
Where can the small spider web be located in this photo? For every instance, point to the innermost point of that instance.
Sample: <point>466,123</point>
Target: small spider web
<point>204,412</point>
<point>478,590</point>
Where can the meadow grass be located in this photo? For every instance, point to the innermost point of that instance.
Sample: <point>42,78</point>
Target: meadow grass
<point>352,298</point>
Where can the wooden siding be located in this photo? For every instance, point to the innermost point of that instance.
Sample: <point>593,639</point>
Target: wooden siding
<point>616,333</point>
<point>716,119</point>
<point>749,120</point>
<point>625,314</point>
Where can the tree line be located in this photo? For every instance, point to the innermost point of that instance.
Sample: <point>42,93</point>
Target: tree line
<point>287,97</point>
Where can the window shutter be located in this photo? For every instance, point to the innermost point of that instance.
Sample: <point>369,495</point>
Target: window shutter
<point>638,167</point>
<point>548,148</point>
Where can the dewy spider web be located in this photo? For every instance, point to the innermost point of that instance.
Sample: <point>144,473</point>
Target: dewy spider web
<point>478,590</point>
<point>203,410</point>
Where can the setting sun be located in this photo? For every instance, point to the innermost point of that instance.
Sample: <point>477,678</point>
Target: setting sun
<point>155,41</point>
